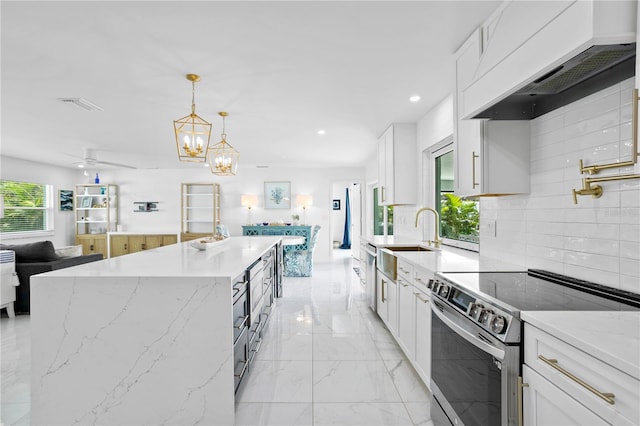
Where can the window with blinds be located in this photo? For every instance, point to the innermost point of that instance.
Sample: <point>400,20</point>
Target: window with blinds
<point>28,207</point>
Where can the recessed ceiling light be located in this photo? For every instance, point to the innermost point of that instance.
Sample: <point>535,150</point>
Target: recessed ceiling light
<point>322,132</point>
<point>414,98</point>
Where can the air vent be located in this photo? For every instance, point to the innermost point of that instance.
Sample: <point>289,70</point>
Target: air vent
<point>81,103</point>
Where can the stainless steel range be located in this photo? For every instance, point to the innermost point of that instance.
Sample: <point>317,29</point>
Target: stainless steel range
<point>477,333</point>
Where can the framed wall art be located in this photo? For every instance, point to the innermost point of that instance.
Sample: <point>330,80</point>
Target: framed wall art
<point>66,200</point>
<point>336,204</point>
<point>277,195</point>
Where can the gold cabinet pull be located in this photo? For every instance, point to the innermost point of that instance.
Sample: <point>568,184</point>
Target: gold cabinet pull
<point>419,296</point>
<point>521,385</point>
<point>382,193</point>
<point>473,169</point>
<point>553,363</point>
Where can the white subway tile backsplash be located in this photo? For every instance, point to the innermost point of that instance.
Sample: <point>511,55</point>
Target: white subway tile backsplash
<point>593,109</point>
<point>592,245</point>
<point>597,239</point>
<point>630,250</point>
<point>630,232</point>
<point>589,260</point>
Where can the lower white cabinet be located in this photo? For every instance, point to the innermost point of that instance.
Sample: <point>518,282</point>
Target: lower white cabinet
<point>406,316</point>
<point>387,306</point>
<point>422,353</point>
<point>545,404</point>
<point>405,308</point>
<point>565,385</point>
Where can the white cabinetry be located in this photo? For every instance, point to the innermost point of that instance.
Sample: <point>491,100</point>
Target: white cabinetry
<point>422,308</point>
<point>406,310</point>
<point>545,404</point>
<point>492,157</point>
<point>406,314</point>
<point>565,385</point>
<point>397,165</point>
<point>387,306</point>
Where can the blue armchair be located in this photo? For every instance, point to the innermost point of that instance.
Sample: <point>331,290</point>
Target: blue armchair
<point>299,263</point>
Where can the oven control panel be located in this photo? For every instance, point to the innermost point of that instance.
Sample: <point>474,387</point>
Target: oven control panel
<point>488,316</point>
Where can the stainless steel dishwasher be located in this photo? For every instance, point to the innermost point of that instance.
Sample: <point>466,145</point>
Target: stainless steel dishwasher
<point>370,274</point>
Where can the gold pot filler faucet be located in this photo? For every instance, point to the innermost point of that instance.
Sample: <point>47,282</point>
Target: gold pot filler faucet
<point>436,241</point>
<point>596,190</point>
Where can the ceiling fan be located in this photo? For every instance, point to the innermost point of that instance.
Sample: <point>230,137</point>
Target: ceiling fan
<point>90,159</point>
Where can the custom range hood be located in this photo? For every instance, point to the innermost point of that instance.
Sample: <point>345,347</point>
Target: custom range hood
<point>594,69</point>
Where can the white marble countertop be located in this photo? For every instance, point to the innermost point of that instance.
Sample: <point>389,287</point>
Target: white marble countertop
<point>230,259</point>
<point>613,337</point>
<point>444,259</point>
<point>141,233</point>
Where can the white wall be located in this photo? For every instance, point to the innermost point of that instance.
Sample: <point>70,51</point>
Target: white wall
<point>434,127</point>
<point>597,239</point>
<point>60,178</point>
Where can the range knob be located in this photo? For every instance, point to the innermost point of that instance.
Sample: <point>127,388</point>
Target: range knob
<point>430,284</point>
<point>498,324</point>
<point>475,310</point>
<point>434,287</point>
<point>484,317</point>
<point>443,291</point>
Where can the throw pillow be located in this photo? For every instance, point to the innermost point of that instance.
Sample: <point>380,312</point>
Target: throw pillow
<point>69,251</point>
<point>42,251</point>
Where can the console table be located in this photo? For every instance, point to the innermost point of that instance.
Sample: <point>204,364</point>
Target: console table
<point>298,231</point>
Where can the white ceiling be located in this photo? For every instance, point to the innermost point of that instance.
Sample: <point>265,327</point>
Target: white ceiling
<point>283,70</point>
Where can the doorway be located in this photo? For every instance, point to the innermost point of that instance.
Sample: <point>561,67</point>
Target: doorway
<point>346,245</point>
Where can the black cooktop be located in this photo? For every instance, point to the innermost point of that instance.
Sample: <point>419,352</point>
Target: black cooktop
<point>537,290</point>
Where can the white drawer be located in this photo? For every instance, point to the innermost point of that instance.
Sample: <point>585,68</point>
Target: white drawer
<point>405,270</point>
<point>583,377</point>
<point>422,277</point>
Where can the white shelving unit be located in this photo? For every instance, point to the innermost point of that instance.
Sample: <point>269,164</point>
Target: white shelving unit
<point>200,206</point>
<point>96,213</point>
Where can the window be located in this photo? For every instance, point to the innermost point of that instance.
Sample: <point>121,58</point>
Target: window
<point>28,207</point>
<point>382,217</point>
<point>459,218</point>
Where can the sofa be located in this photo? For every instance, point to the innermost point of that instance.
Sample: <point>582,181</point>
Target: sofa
<point>39,257</point>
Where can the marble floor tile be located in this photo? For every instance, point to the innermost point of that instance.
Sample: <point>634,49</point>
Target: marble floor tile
<point>351,322</point>
<point>407,381</point>
<point>420,413</point>
<point>335,347</point>
<point>277,381</point>
<point>283,346</point>
<point>353,381</point>
<point>361,414</point>
<point>267,414</point>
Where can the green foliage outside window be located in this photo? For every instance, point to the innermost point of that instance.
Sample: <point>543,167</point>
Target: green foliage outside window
<point>25,207</point>
<point>459,218</point>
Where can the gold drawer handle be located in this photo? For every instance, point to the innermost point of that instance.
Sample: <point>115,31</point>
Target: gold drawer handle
<point>608,397</point>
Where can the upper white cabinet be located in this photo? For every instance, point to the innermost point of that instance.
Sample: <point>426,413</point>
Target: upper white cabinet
<point>523,41</point>
<point>492,157</point>
<point>397,165</point>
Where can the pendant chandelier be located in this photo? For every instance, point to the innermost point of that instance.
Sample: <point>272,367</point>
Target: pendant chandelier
<point>192,132</point>
<point>223,158</point>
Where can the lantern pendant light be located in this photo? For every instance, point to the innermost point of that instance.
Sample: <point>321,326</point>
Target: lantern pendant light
<point>223,158</point>
<point>192,132</point>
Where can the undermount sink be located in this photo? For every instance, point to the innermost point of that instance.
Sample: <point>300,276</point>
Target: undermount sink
<point>409,248</point>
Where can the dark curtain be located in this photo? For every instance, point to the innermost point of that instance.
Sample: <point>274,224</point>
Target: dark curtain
<point>346,239</point>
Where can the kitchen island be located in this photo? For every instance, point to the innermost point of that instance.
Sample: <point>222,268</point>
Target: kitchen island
<point>145,338</point>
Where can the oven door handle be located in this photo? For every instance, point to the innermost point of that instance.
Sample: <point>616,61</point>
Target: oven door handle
<point>468,336</point>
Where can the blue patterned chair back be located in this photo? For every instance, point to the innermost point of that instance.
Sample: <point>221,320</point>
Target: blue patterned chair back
<point>314,237</point>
